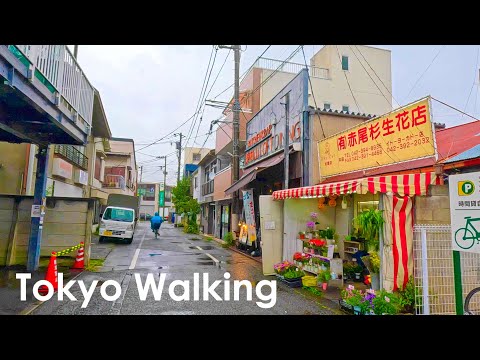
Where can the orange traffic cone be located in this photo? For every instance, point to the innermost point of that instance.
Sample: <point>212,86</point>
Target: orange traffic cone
<point>79,263</point>
<point>51,275</point>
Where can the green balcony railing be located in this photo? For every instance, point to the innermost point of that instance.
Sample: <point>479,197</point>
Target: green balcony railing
<point>72,155</point>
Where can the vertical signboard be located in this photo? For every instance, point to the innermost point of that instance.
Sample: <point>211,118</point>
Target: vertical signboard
<point>249,214</point>
<point>266,130</point>
<point>464,191</point>
<point>161,198</point>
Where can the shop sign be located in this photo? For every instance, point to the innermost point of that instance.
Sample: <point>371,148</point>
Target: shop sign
<point>266,130</point>
<point>161,198</point>
<point>402,135</point>
<point>249,214</point>
<point>464,191</point>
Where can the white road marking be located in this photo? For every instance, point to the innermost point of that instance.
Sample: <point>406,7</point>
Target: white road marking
<point>217,262</point>
<point>135,257</point>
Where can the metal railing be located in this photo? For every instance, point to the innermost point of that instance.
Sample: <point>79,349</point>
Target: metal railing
<point>208,187</point>
<point>295,68</point>
<point>433,270</point>
<point>72,155</point>
<point>114,182</point>
<point>58,66</point>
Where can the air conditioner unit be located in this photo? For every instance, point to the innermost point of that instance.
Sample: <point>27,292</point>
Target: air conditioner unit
<point>80,177</point>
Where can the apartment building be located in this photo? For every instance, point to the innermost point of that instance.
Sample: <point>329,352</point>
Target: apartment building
<point>120,174</point>
<point>191,158</point>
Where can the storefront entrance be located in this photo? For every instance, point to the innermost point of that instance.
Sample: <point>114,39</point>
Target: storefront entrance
<point>225,220</point>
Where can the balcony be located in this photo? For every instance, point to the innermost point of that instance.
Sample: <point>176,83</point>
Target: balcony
<point>290,67</point>
<point>114,182</point>
<point>72,155</point>
<point>44,89</point>
<point>208,187</point>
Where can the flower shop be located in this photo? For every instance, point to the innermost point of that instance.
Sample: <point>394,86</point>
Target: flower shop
<point>356,235</point>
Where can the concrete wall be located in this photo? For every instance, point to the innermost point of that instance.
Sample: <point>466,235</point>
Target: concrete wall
<point>67,223</point>
<point>12,166</point>
<point>434,209</point>
<point>337,92</point>
<point>273,86</point>
<point>188,154</point>
<point>331,124</point>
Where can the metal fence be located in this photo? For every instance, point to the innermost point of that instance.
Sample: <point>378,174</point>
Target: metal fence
<point>433,270</point>
<point>295,68</point>
<point>72,155</point>
<point>57,64</point>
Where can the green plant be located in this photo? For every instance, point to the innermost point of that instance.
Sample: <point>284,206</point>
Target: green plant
<point>228,239</point>
<point>208,238</point>
<point>191,228</point>
<point>293,273</point>
<point>406,296</point>
<point>370,223</point>
<point>324,276</point>
<point>329,233</point>
<point>357,268</point>
<point>385,303</point>
<point>348,237</point>
<point>313,290</point>
<point>184,202</point>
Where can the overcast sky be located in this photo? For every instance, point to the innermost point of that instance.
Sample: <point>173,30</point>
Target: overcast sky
<point>147,91</point>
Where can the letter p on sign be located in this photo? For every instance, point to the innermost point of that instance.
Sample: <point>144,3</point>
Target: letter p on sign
<point>465,188</point>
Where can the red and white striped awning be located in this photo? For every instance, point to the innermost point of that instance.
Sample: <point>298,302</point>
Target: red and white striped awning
<point>338,188</point>
<point>408,184</point>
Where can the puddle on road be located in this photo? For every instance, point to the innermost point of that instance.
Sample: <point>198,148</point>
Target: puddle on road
<point>204,262</point>
<point>155,254</point>
<point>205,247</point>
<point>163,267</point>
<point>193,239</point>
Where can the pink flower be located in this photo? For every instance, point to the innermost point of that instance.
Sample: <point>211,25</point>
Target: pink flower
<point>387,299</point>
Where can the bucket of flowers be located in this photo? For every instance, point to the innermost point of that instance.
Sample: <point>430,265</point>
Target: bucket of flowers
<point>318,245</point>
<point>282,267</point>
<point>293,277</point>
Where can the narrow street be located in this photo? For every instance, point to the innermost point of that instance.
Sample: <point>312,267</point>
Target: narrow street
<point>179,256</point>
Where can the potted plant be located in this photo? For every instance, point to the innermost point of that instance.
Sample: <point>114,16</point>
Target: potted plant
<point>301,235</point>
<point>357,271</point>
<point>293,277</point>
<point>372,262</point>
<point>323,277</point>
<point>370,223</point>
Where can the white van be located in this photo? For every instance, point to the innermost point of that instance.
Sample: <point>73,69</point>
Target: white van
<point>117,222</point>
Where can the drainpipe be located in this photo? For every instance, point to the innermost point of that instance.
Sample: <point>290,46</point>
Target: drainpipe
<point>29,171</point>
<point>23,188</point>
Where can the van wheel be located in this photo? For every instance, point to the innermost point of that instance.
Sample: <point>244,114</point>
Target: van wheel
<point>101,239</point>
<point>129,241</point>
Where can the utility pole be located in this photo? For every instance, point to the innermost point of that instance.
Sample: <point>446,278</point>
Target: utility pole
<point>286,138</point>
<point>75,51</point>
<point>164,185</point>
<point>141,173</point>
<point>236,131</point>
<point>179,148</point>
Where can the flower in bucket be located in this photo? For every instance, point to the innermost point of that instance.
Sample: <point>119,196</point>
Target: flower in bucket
<point>281,268</point>
<point>317,242</point>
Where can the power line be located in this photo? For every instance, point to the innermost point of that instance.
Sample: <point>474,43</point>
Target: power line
<point>313,92</point>
<point>381,92</point>
<point>346,78</point>
<point>202,91</point>
<point>473,84</point>
<point>263,53</point>
<point>428,67</point>
<point>211,87</point>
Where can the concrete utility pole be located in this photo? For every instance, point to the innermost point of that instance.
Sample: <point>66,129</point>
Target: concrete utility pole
<point>179,148</point>
<point>75,51</point>
<point>141,173</point>
<point>164,185</point>
<point>236,131</point>
<point>286,151</point>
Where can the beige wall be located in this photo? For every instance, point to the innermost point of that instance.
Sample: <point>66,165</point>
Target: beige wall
<point>12,167</point>
<point>332,124</point>
<point>336,91</point>
<point>273,86</point>
<point>434,209</point>
<point>188,154</point>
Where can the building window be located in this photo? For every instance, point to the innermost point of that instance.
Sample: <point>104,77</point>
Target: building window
<point>326,106</point>
<point>345,108</point>
<point>196,157</point>
<point>344,62</point>
<point>196,181</point>
<point>98,167</point>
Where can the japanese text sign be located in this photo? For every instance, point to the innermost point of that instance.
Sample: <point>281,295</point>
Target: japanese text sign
<point>401,135</point>
<point>249,214</point>
<point>464,191</point>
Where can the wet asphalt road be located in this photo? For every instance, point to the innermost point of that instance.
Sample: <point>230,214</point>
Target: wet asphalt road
<point>179,256</point>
